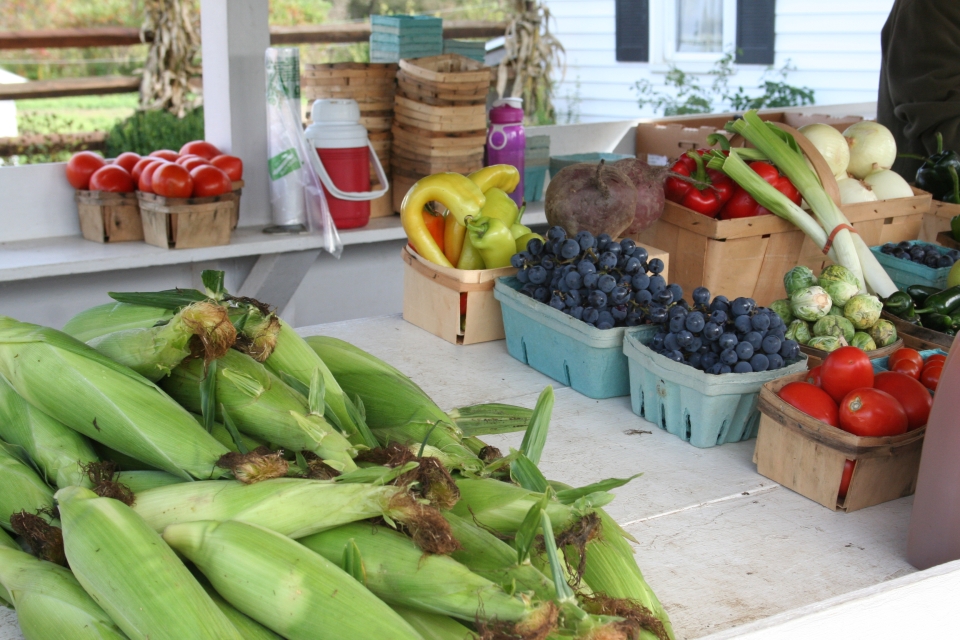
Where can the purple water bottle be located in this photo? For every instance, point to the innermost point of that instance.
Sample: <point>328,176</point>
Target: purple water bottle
<point>506,140</point>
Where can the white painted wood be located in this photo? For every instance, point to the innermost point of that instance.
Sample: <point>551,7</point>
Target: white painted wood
<point>276,277</point>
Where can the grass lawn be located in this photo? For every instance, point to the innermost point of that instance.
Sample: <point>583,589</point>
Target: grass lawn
<point>81,113</point>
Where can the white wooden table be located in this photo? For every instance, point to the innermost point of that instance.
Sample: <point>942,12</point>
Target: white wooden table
<point>721,545</point>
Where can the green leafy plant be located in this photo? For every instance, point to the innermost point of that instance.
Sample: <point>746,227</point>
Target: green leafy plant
<point>147,131</point>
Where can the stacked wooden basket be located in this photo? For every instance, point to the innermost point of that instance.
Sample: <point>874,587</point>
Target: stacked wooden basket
<point>373,87</point>
<point>439,119</point>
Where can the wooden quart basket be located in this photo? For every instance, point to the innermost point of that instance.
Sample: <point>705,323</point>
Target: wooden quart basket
<point>109,217</point>
<point>937,220</point>
<point>919,338</point>
<point>748,256</point>
<point>808,456</point>
<point>188,223</point>
<point>815,356</point>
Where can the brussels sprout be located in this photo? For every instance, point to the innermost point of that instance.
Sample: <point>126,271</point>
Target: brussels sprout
<point>811,304</point>
<point>836,326</point>
<point>863,311</point>
<point>884,333</point>
<point>826,343</point>
<point>835,310</point>
<point>864,341</point>
<point>840,292</point>
<point>839,273</point>
<point>782,309</point>
<point>798,330</point>
<point>798,278</point>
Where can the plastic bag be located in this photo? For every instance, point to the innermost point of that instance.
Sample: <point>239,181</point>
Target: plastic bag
<point>296,194</point>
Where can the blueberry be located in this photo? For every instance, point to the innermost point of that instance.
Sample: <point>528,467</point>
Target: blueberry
<point>742,367</point>
<point>695,322</point>
<point>642,297</point>
<point>944,261</point>
<point>744,350</point>
<point>701,295</point>
<point>655,266</point>
<point>640,281</point>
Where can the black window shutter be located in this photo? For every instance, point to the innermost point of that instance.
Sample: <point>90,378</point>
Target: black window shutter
<point>633,30</point>
<point>755,34</point>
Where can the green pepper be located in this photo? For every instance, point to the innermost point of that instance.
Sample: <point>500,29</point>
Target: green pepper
<point>899,304</point>
<point>934,175</point>
<point>954,195</point>
<point>938,322</point>
<point>919,293</point>
<point>492,238</point>
<point>955,228</point>
<point>470,258</point>
<point>944,302</point>
<point>517,230</point>
<point>500,206</point>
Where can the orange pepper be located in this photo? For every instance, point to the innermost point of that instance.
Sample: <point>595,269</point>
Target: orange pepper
<point>435,225</point>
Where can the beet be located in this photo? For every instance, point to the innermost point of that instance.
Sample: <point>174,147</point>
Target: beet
<point>596,198</point>
<point>649,183</point>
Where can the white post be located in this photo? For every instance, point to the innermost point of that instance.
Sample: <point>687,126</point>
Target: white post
<point>235,34</point>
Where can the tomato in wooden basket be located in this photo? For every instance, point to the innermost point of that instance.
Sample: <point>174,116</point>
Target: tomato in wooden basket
<point>172,181</point>
<point>231,165</point>
<point>912,395</point>
<point>844,370</point>
<point>166,154</point>
<point>812,400</point>
<point>872,413</point>
<point>813,376</point>
<point>145,183</point>
<point>931,360</point>
<point>201,148</point>
<point>908,368</point>
<point>845,478</point>
<point>138,168</point>
<point>906,361</point>
<point>930,377</point>
<point>111,178</point>
<point>128,160</point>
<point>81,166</point>
<point>210,181</point>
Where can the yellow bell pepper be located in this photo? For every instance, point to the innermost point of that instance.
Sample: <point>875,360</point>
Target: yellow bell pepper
<point>461,196</point>
<point>500,176</point>
<point>500,206</point>
<point>453,235</point>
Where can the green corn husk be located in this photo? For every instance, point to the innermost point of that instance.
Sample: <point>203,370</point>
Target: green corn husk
<point>261,405</point>
<point>249,628</point>
<point>58,451</point>
<point>122,460</point>
<point>490,557</point>
<point>21,489</point>
<point>114,316</point>
<point>283,585</point>
<point>104,400</point>
<point>140,481</point>
<point>399,573</point>
<point>432,626</point>
<point>224,437</point>
<point>155,351</point>
<point>293,507</point>
<point>485,419</point>
<point>502,507</point>
<point>50,603</point>
<point>137,579</point>
<point>6,542</point>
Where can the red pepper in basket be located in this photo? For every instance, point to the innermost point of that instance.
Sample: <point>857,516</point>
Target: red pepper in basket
<point>742,204</point>
<point>707,191</point>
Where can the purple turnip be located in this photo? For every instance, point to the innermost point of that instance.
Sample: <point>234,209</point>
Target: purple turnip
<point>596,198</point>
<point>649,183</point>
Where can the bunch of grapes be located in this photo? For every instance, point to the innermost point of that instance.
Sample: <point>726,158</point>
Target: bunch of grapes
<point>595,279</point>
<point>720,336</point>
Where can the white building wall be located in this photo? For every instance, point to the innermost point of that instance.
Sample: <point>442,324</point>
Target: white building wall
<point>835,47</point>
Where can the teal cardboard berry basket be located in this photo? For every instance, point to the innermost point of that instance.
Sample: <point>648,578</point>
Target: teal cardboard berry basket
<point>906,272</point>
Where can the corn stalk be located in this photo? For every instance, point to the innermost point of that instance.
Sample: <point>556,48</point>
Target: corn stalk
<point>175,27</point>
<point>532,54</point>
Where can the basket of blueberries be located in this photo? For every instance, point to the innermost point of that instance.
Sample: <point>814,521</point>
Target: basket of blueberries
<point>916,262</point>
<point>699,375</point>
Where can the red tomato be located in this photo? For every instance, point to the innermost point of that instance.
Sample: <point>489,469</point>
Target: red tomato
<point>930,377</point>
<point>813,376</point>
<point>81,166</point>
<point>934,359</point>
<point>910,355</point>
<point>844,370</point>
<point>172,181</point>
<point>907,367</point>
<point>183,158</point>
<point>201,148</point>
<point>138,168</point>
<point>128,160</point>
<point>812,400</point>
<point>112,178</point>
<point>193,162</point>
<point>912,395</point>
<point>145,183</point>
<point>231,165</point>
<point>210,181</point>
<point>872,413</point>
<point>845,478</point>
<point>166,154</point>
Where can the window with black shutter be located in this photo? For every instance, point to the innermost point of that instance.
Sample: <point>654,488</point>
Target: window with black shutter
<point>633,30</point>
<point>755,31</point>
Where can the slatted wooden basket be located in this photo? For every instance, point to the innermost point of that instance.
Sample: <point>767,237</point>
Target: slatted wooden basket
<point>188,223</point>
<point>109,217</point>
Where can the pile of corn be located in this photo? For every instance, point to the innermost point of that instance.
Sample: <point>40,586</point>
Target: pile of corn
<point>183,465</point>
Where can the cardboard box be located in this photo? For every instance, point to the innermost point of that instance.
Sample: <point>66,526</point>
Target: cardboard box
<point>431,300</point>
<point>808,456</point>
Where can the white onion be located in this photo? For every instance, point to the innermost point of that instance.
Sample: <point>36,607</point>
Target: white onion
<point>888,184</point>
<point>832,146</point>
<point>853,191</point>
<point>872,148</point>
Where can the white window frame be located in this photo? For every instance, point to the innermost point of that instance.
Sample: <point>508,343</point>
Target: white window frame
<point>663,39</point>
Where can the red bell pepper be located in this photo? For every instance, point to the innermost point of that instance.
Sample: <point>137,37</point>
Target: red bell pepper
<point>742,204</point>
<point>707,191</point>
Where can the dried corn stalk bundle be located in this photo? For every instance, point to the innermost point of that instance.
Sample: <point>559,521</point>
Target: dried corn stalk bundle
<point>174,25</point>
<point>532,54</point>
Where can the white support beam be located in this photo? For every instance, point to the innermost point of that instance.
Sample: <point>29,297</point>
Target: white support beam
<point>276,277</point>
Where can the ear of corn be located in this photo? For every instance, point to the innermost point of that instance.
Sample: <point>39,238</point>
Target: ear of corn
<point>58,451</point>
<point>6,542</point>
<point>248,628</point>
<point>495,417</point>
<point>261,405</point>
<point>153,352</point>
<point>502,507</point>
<point>140,481</point>
<point>50,602</point>
<point>399,573</point>
<point>291,506</point>
<point>104,400</point>
<point>432,626</point>
<point>137,579</point>
<point>223,436</point>
<point>114,316</point>
<point>283,585</point>
<point>21,489</point>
